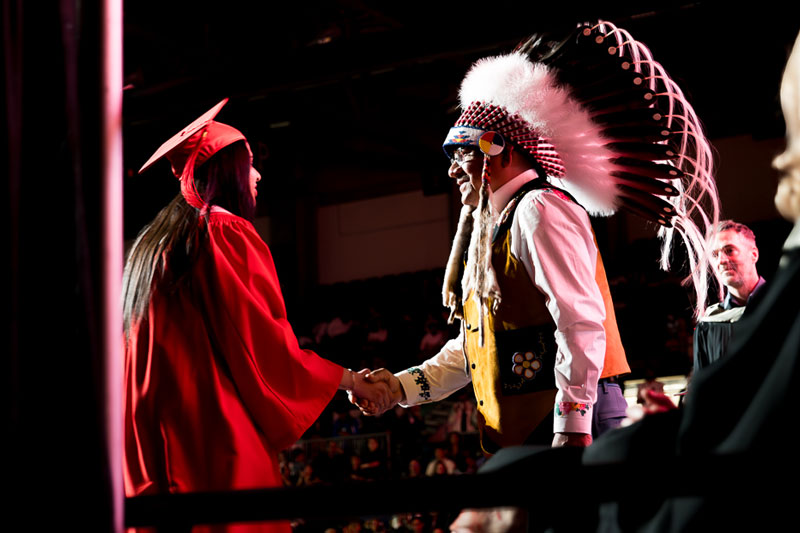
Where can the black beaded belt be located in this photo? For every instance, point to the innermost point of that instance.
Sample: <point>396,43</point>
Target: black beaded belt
<point>609,379</point>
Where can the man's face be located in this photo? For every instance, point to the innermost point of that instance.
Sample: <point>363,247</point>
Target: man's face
<point>466,168</point>
<point>734,258</point>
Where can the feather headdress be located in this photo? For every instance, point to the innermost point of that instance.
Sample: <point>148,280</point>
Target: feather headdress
<point>607,124</point>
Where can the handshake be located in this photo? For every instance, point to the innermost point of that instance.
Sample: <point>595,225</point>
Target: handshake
<point>375,392</point>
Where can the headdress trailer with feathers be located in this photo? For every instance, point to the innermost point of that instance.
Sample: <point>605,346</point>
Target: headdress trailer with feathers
<point>608,125</point>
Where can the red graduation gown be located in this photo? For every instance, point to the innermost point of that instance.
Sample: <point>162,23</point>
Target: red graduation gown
<point>215,382</point>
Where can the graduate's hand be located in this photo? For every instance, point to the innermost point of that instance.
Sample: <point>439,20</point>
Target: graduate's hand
<point>386,381</point>
<point>395,388</point>
<point>372,397</point>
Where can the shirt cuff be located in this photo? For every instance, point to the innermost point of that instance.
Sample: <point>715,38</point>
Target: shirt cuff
<point>572,417</point>
<point>415,385</point>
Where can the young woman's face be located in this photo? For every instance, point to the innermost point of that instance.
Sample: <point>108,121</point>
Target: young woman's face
<point>255,176</point>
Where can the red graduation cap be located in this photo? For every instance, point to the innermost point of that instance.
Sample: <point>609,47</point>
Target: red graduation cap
<point>193,146</point>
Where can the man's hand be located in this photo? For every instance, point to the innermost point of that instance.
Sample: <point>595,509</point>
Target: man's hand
<point>396,389</point>
<point>379,378</point>
<point>571,439</point>
<point>372,398</point>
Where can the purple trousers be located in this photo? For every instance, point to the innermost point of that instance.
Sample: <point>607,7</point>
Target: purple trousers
<point>609,410</point>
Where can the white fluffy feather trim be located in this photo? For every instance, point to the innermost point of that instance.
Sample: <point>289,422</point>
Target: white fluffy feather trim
<point>532,92</point>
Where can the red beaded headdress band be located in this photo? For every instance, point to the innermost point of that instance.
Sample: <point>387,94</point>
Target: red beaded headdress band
<point>483,118</point>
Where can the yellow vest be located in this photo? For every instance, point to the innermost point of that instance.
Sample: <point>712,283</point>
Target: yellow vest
<point>513,372</point>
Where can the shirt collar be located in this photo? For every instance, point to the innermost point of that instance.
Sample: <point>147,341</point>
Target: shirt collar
<point>503,194</point>
<point>729,302</point>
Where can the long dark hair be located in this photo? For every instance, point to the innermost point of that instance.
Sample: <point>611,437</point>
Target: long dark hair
<point>166,249</point>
